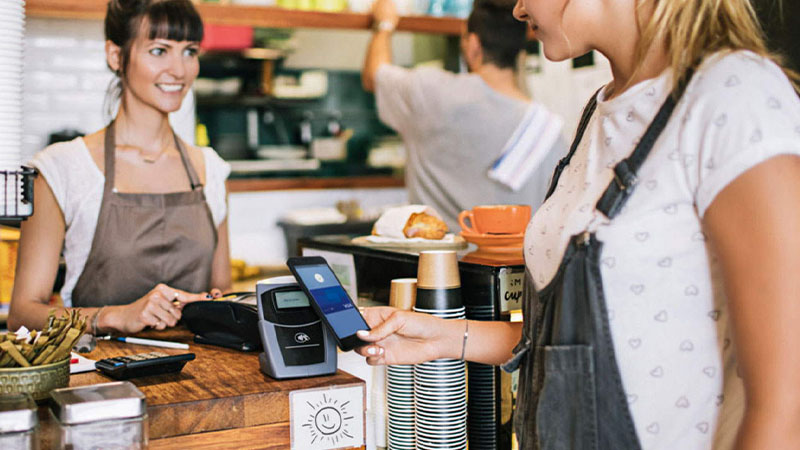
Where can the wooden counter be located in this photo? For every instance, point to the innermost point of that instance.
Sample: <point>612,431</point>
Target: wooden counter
<point>221,400</point>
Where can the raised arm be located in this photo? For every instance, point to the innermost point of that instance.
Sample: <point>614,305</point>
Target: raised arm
<point>753,225</point>
<point>402,337</point>
<point>385,18</point>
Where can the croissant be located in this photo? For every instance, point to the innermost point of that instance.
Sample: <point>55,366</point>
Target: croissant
<point>410,221</point>
<point>421,225</point>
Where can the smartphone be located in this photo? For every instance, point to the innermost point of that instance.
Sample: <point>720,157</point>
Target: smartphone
<point>329,299</point>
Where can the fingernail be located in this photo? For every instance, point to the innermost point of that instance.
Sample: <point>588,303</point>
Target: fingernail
<point>372,351</point>
<point>362,333</point>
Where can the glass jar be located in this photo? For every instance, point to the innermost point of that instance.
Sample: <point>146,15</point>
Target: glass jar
<point>18,422</point>
<point>108,415</point>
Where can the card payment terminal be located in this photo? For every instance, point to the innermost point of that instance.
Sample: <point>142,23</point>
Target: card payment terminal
<point>296,342</point>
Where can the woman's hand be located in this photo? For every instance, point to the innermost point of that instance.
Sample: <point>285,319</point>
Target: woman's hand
<point>160,308</point>
<point>385,11</point>
<point>404,337</point>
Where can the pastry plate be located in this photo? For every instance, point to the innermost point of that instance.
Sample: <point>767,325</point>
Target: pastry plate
<point>457,243</point>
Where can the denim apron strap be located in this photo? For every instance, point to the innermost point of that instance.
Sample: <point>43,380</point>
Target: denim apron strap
<point>617,193</point>
<point>588,110</point>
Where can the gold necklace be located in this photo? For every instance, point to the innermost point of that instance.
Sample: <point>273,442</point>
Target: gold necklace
<point>147,159</point>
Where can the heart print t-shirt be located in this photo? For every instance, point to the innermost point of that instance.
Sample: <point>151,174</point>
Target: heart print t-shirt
<point>667,310</point>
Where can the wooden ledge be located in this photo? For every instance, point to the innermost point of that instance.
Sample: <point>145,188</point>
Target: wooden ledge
<point>276,184</point>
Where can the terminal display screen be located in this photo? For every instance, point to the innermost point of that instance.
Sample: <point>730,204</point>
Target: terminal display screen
<point>291,299</point>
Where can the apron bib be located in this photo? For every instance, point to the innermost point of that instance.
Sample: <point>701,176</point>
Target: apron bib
<point>570,394</point>
<point>145,239</point>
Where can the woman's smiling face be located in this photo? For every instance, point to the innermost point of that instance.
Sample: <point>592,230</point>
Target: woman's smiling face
<point>160,71</point>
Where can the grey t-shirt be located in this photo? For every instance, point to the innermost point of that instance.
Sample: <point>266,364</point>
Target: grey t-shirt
<point>454,126</point>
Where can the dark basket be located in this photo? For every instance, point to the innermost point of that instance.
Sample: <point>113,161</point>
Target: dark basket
<point>22,191</point>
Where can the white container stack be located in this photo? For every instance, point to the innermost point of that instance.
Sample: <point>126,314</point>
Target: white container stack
<point>12,30</point>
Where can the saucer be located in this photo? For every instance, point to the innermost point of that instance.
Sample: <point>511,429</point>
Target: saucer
<point>496,243</point>
<point>489,258</point>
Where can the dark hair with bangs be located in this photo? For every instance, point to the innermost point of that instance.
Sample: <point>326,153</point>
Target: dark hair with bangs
<point>502,36</point>
<point>176,20</point>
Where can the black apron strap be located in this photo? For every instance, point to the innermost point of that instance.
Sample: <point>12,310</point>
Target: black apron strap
<point>588,110</point>
<point>625,172</point>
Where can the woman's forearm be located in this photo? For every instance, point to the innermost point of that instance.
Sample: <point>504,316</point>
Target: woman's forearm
<point>33,314</point>
<point>491,342</point>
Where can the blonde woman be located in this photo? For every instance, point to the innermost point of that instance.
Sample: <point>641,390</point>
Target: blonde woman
<point>661,305</point>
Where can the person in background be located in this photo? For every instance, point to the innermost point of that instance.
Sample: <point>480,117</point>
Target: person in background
<point>455,126</point>
<point>661,300</point>
<point>139,214</point>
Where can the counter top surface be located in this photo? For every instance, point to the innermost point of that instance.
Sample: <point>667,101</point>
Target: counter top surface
<point>221,389</point>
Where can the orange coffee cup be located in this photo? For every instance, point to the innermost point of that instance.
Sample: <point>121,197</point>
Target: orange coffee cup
<point>495,219</point>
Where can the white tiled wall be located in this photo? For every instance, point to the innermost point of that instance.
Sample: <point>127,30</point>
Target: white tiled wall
<point>65,79</point>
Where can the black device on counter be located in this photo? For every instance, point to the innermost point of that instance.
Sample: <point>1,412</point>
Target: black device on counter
<point>231,321</point>
<point>143,364</point>
<point>329,299</point>
<point>296,343</point>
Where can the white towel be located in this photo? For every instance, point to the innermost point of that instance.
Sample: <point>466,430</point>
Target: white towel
<point>527,147</point>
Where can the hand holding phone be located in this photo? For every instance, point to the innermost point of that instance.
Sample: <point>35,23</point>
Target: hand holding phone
<point>329,299</point>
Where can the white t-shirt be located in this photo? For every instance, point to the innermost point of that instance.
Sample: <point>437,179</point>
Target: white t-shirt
<point>77,184</point>
<point>663,287</point>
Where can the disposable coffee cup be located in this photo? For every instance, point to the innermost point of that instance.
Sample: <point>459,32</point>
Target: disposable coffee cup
<point>403,293</point>
<point>437,269</point>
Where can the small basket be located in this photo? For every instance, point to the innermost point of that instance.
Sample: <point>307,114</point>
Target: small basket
<point>16,204</point>
<point>37,381</point>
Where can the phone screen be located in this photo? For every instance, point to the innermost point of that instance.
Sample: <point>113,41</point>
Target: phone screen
<point>332,299</point>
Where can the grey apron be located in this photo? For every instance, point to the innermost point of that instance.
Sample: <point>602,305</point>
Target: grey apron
<point>145,239</point>
<point>570,394</point>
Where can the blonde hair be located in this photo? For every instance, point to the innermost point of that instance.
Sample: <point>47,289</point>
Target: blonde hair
<point>694,29</point>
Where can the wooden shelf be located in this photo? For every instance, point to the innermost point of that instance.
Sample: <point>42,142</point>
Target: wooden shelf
<point>256,16</point>
<point>274,184</point>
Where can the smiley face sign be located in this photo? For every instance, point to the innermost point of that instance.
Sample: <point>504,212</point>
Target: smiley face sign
<point>328,418</point>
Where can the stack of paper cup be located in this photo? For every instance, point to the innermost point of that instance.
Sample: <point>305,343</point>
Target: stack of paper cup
<point>440,386</point>
<point>400,378</point>
<point>12,28</point>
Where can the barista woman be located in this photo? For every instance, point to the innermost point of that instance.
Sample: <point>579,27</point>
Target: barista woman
<point>139,214</point>
<point>661,307</point>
